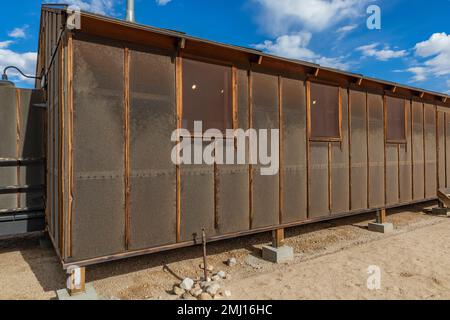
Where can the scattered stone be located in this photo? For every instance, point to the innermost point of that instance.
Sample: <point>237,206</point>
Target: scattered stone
<point>216,278</point>
<point>205,296</point>
<point>187,284</point>
<point>187,296</point>
<point>196,292</point>
<point>178,291</point>
<point>212,288</point>
<point>222,274</point>
<point>203,282</point>
<point>209,267</point>
<point>227,293</point>
<point>231,262</point>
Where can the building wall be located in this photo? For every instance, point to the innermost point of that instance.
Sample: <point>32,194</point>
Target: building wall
<point>125,194</point>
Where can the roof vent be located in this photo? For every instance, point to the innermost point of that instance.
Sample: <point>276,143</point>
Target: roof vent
<point>130,10</point>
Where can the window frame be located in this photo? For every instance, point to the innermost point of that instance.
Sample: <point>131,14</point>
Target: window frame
<point>179,91</point>
<point>308,105</point>
<point>386,106</point>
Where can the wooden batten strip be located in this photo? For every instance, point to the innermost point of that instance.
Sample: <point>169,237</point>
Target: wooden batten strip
<point>179,117</point>
<point>62,100</point>
<point>330,178</point>
<point>368,149</point>
<point>308,134</point>
<point>349,116</point>
<point>70,143</point>
<point>234,97</point>
<point>424,153</point>
<point>281,150</point>
<point>250,166</point>
<point>385,151</point>
<point>411,118</point>
<point>445,148</point>
<point>127,145</point>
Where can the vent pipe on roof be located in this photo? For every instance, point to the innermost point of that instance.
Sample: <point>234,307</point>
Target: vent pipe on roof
<point>130,10</point>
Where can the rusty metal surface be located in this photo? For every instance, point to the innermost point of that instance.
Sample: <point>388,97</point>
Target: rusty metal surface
<point>152,120</point>
<point>98,219</point>
<point>358,150</point>
<point>340,181</point>
<point>405,154</point>
<point>376,150</point>
<point>294,122</point>
<point>318,180</point>
<point>265,116</point>
<point>392,188</point>
<point>418,152</point>
<point>395,119</point>
<point>430,151</point>
<point>324,111</point>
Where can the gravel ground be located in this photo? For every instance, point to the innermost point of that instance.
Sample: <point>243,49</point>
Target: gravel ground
<point>331,261</point>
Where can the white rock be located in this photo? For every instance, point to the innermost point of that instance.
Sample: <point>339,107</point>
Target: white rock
<point>227,293</point>
<point>212,288</point>
<point>231,262</point>
<point>187,284</point>
<point>222,274</point>
<point>216,278</point>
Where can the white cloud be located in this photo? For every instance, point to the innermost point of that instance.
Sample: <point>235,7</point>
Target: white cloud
<point>162,2</point>
<point>280,17</point>
<point>347,28</point>
<point>385,54</point>
<point>295,47</point>
<point>435,58</point>
<point>24,61</point>
<point>18,32</point>
<point>103,7</point>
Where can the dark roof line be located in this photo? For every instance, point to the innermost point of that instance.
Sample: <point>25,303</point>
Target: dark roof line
<point>180,34</point>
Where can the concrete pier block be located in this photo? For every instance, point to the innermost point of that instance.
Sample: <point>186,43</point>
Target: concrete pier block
<point>439,211</point>
<point>89,294</point>
<point>381,227</point>
<point>278,255</point>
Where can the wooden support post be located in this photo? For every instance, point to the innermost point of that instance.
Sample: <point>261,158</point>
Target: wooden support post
<point>278,238</point>
<point>76,283</point>
<point>381,216</point>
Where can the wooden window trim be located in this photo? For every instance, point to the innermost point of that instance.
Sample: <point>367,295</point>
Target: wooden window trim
<point>393,141</point>
<point>308,106</point>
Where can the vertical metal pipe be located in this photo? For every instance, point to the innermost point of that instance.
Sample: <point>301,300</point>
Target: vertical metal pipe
<point>130,10</point>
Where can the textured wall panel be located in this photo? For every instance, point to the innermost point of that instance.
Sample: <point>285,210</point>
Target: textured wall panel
<point>405,161</point>
<point>242,98</point>
<point>318,180</point>
<point>441,149</point>
<point>392,196</point>
<point>98,208</point>
<point>265,116</point>
<point>153,178</point>
<point>340,182</point>
<point>294,135</point>
<point>430,152</point>
<point>358,150</point>
<point>376,150</point>
<point>417,150</point>
<point>8,175</point>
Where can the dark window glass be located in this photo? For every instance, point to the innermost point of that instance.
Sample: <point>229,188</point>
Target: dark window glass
<point>324,111</point>
<point>395,124</point>
<point>206,95</point>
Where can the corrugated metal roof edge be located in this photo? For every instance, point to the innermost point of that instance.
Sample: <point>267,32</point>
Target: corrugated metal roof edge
<point>180,34</point>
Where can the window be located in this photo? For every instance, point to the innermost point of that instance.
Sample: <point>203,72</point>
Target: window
<point>207,95</point>
<point>325,112</point>
<point>395,120</point>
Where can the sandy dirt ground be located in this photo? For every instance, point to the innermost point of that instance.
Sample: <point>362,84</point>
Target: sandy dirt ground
<point>331,262</point>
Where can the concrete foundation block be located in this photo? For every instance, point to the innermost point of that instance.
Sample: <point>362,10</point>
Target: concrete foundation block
<point>89,294</point>
<point>439,211</point>
<point>278,255</point>
<point>381,227</point>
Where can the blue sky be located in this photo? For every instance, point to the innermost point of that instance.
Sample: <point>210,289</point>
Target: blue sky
<point>412,47</point>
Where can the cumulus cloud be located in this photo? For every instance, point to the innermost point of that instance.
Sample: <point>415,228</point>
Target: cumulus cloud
<point>278,17</point>
<point>295,47</point>
<point>434,54</point>
<point>18,32</point>
<point>25,61</point>
<point>162,2</point>
<point>103,7</point>
<point>385,54</point>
